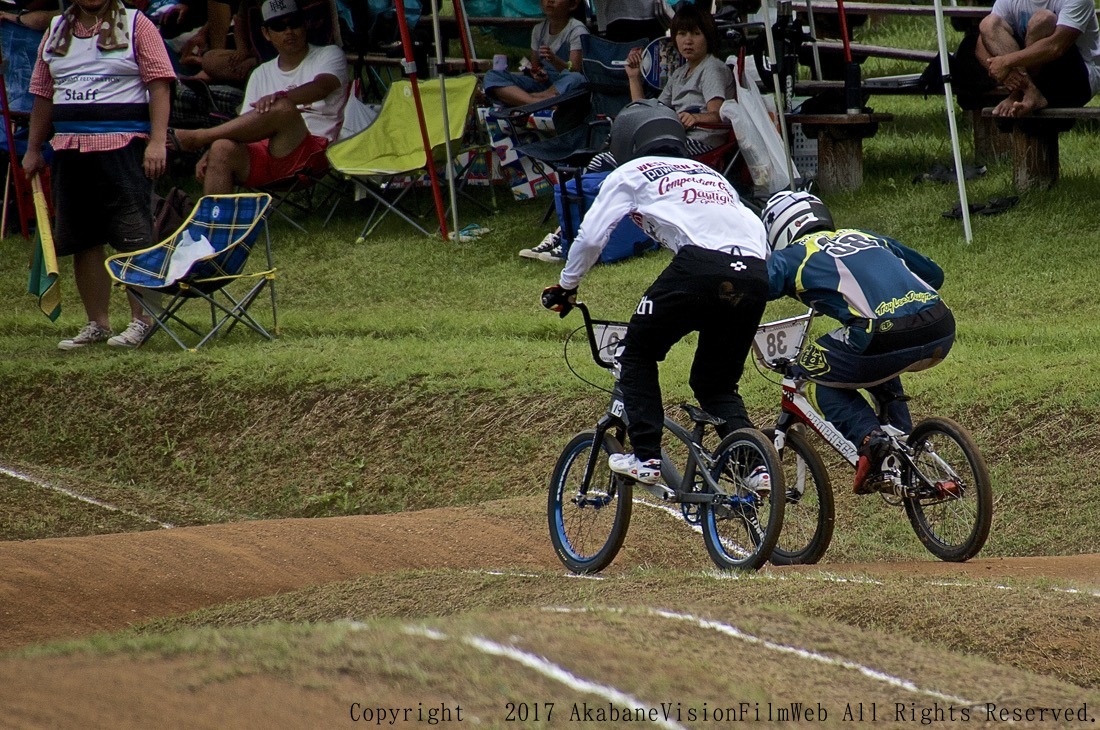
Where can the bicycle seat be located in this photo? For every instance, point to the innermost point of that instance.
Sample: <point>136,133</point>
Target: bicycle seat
<point>698,415</point>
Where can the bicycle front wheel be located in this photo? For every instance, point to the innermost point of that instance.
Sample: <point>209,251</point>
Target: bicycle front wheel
<point>951,502</point>
<point>809,515</point>
<point>588,520</point>
<point>741,528</point>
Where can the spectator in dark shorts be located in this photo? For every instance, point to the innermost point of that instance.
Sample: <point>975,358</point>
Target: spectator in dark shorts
<point>102,81</point>
<point>294,108</point>
<point>1045,52</point>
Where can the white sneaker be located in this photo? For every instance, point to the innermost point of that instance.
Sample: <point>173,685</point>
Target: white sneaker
<point>646,472</point>
<point>135,333</point>
<point>545,246</point>
<point>91,334</point>
<point>759,480</point>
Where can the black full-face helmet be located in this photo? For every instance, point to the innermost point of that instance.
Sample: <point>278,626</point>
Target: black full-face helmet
<point>647,127</point>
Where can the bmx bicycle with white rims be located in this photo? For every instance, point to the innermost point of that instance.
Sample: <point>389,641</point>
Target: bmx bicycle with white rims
<point>723,491</point>
<point>936,472</point>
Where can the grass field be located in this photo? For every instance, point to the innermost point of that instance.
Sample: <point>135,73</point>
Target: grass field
<point>420,385</point>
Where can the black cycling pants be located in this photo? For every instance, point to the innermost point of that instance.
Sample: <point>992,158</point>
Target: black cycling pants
<point>718,295</point>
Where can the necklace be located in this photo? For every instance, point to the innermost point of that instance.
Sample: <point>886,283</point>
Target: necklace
<point>93,25</point>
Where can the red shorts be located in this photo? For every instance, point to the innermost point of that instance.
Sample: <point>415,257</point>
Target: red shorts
<point>263,169</point>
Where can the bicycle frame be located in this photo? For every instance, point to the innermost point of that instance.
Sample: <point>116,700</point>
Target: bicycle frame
<point>773,350</point>
<point>603,341</point>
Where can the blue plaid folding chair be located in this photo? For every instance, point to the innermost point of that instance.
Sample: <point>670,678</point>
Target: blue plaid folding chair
<point>204,260</point>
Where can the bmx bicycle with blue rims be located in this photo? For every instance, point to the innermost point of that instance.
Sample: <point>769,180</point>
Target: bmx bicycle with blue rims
<point>727,492</point>
<point>936,472</point>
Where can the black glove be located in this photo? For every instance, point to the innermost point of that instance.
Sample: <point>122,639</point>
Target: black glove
<point>557,299</point>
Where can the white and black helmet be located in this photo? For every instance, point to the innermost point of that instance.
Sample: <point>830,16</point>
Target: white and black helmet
<point>789,215</point>
<point>646,127</point>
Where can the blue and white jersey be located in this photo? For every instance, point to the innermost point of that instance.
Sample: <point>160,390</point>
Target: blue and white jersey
<point>677,202</point>
<point>851,274</point>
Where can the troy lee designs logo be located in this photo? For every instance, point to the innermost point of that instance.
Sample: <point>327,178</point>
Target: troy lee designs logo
<point>898,302</point>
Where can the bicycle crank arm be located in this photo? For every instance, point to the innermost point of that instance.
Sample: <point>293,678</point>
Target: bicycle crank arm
<point>660,491</point>
<point>667,494</point>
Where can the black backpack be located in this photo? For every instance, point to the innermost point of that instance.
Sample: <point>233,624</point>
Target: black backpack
<point>169,212</point>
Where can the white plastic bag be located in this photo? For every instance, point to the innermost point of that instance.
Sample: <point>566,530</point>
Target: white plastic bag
<point>188,251</point>
<point>758,139</point>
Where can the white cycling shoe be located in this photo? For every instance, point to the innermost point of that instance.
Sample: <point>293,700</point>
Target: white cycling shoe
<point>646,472</point>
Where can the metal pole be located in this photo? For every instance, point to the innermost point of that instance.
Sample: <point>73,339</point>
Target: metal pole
<point>780,100</point>
<point>439,56</point>
<point>945,73</point>
<point>410,69</point>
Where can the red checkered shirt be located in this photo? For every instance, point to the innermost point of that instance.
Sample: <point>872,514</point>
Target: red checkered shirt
<point>153,63</point>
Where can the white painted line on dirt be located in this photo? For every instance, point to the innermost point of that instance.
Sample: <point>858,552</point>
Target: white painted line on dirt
<point>875,674</point>
<point>508,574</point>
<point>81,497</point>
<point>669,510</point>
<point>553,671</point>
<point>1094,594</point>
<point>998,586</point>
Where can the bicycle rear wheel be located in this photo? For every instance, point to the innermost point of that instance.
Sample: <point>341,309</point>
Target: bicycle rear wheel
<point>588,522</point>
<point>809,515</point>
<point>742,527</point>
<point>953,504</point>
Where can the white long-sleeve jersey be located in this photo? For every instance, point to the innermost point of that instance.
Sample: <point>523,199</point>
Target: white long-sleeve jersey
<point>678,202</point>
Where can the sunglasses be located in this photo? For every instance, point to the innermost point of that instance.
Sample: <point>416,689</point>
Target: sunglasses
<point>285,23</point>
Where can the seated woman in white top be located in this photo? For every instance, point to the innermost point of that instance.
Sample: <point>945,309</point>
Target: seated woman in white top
<point>696,90</point>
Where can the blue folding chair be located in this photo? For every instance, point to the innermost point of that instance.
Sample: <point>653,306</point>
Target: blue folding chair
<point>205,259</point>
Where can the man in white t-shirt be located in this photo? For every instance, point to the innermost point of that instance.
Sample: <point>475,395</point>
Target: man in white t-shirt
<point>1046,52</point>
<point>293,108</point>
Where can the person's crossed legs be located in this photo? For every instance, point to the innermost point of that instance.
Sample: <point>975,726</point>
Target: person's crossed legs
<point>997,39</point>
<point>228,162</point>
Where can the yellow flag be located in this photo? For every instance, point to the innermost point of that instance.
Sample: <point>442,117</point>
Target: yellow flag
<point>43,277</point>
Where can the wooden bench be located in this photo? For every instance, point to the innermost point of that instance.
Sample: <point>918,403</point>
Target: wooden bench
<point>1034,142</point>
<point>839,146</point>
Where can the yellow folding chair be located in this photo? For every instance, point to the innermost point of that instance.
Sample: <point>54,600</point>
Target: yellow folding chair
<point>392,146</point>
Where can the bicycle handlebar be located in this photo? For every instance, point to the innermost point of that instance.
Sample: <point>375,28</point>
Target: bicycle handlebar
<point>603,336</point>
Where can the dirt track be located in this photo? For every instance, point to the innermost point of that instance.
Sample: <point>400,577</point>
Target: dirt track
<point>73,587</point>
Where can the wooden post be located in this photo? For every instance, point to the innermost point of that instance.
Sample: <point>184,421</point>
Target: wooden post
<point>1034,157</point>
<point>840,146</point>
<point>990,143</point>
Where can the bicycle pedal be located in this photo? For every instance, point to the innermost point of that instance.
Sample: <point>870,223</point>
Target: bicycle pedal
<point>949,488</point>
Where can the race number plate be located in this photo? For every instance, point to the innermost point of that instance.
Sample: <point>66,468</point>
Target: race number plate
<point>780,340</point>
<point>609,335</point>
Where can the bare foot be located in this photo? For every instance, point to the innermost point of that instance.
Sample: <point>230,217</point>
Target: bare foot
<point>1004,109</point>
<point>1031,102</point>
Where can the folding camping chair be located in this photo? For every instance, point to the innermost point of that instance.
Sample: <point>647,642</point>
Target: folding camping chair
<point>205,259</point>
<point>392,147</point>
<point>18,49</point>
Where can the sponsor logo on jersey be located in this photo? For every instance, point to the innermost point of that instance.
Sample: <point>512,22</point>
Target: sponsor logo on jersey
<point>893,305</point>
<point>813,360</point>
